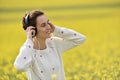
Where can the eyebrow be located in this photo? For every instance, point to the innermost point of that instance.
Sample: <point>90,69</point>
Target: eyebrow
<point>47,21</point>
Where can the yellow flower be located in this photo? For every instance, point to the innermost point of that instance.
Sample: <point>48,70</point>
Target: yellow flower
<point>54,77</point>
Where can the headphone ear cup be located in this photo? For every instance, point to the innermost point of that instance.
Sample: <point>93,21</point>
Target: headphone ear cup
<point>34,32</point>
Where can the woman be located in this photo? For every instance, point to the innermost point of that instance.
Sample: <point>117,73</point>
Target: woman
<point>41,55</point>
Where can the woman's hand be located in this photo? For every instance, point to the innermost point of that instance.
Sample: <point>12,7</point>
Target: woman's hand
<point>52,27</point>
<point>29,31</point>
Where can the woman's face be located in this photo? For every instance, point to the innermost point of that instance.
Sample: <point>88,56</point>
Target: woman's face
<point>43,27</point>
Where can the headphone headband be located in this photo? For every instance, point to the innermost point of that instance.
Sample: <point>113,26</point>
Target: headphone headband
<point>26,19</point>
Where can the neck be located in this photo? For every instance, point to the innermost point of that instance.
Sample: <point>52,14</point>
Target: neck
<point>40,43</point>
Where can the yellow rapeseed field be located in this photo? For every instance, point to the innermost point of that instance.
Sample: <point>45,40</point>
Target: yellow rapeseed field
<point>97,59</point>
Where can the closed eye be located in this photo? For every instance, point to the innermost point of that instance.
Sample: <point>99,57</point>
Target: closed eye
<point>44,24</point>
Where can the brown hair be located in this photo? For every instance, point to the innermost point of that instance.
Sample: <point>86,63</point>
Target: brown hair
<point>30,18</point>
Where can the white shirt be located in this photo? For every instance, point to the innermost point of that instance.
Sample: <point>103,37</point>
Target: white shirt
<point>47,64</point>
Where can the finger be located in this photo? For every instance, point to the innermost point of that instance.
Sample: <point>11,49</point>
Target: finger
<point>52,27</point>
<point>30,28</point>
<point>50,24</point>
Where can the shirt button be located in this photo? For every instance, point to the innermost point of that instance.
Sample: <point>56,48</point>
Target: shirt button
<point>41,71</point>
<point>53,68</point>
<point>29,46</point>
<point>40,55</point>
<point>24,57</point>
<point>62,32</point>
<point>75,34</point>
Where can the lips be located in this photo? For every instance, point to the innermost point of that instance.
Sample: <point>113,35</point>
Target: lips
<point>48,31</point>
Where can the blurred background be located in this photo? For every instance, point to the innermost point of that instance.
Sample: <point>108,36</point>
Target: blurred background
<point>97,59</point>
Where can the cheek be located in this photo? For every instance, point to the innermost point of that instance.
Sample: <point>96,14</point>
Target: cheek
<point>41,30</point>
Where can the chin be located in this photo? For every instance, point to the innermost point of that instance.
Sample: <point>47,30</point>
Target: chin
<point>48,36</point>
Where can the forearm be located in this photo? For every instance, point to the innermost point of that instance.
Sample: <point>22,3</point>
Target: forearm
<point>69,35</point>
<point>24,58</point>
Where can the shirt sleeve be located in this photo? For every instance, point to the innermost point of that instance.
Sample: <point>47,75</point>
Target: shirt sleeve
<point>66,38</point>
<point>24,59</point>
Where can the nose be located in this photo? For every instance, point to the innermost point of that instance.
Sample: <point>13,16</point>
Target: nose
<point>48,27</point>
